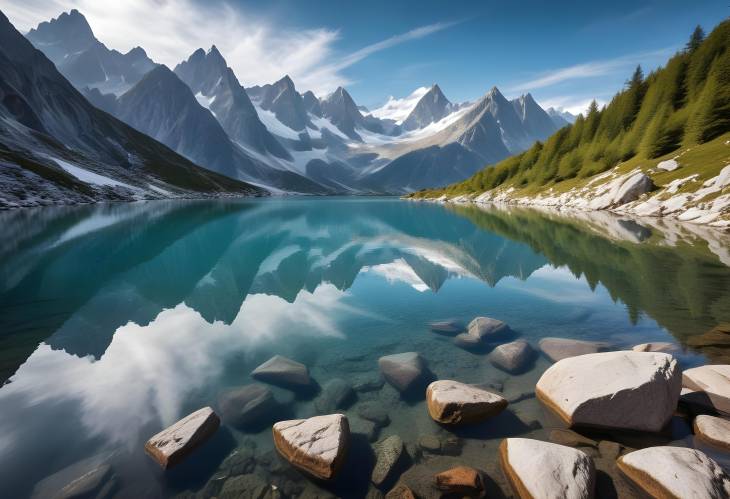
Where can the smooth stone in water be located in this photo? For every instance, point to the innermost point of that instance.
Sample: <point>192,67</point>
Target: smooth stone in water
<point>675,472</point>
<point>541,470</point>
<point>462,481</point>
<point>364,427</point>
<point>368,384</point>
<point>561,348</point>
<point>99,483</point>
<point>713,380</point>
<point>570,438</point>
<point>713,430</point>
<point>451,402</point>
<point>387,454</point>
<point>467,341</point>
<point>608,449</point>
<point>486,328</point>
<point>430,443</point>
<point>373,411</point>
<point>246,405</point>
<point>511,357</point>
<point>402,370</point>
<point>175,443</point>
<point>317,445</point>
<point>617,390</point>
<point>279,370</point>
<point>448,328</point>
<point>249,485</point>
<point>335,395</point>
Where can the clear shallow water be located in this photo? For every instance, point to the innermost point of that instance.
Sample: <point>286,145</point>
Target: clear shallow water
<point>117,320</point>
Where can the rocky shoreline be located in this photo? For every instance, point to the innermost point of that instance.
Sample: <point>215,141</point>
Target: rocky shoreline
<point>628,398</point>
<point>633,193</point>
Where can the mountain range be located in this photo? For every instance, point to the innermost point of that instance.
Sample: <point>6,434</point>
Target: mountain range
<point>281,139</point>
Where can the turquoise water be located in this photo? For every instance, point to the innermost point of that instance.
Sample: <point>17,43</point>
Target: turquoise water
<point>117,320</point>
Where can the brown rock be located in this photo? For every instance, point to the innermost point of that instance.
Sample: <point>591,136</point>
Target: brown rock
<point>461,480</point>
<point>451,402</point>
<point>400,492</point>
<point>609,450</point>
<point>570,438</point>
<point>317,445</point>
<point>511,357</point>
<point>175,443</point>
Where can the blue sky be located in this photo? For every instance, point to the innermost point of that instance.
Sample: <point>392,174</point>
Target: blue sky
<point>565,53</point>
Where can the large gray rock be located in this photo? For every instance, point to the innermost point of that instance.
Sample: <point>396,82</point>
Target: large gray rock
<point>317,445</point>
<point>279,370</point>
<point>403,370</point>
<point>633,188</point>
<point>561,348</point>
<point>713,381</point>
<point>387,456</point>
<point>451,402</point>
<point>175,443</point>
<point>675,472</point>
<point>512,357</point>
<point>713,430</point>
<point>542,470</point>
<point>621,390</point>
<point>247,404</point>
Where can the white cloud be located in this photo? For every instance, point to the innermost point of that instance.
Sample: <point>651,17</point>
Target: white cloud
<point>258,50</point>
<point>588,70</point>
<point>573,104</point>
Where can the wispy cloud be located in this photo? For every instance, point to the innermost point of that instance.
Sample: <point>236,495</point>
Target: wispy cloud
<point>589,69</point>
<point>259,50</point>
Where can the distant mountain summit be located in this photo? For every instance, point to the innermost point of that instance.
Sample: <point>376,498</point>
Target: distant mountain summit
<point>538,124</point>
<point>216,87</point>
<point>560,118</point>
<point>70,43</point>
<point>342,111</point>
<point>432,107</point>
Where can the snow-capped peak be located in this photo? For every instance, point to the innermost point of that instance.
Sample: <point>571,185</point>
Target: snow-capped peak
<point>399,109</point>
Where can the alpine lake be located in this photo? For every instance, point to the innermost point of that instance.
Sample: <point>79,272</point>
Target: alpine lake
<point>117,320</point>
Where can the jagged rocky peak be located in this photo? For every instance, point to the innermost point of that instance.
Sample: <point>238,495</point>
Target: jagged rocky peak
<point>537,122</point>
<point>341,110</point>
<point>311,103</point>
<point>432,107</point>
<point>70,27</point>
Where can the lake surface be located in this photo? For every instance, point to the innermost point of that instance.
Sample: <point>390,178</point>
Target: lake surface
<point>117,320</point>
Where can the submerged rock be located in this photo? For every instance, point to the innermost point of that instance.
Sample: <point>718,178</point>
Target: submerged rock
<point>373,411</point>
<point>368,383</point>
<point>467,341</point>
<point>675,472</point>
<point>512,357</point>
<point>98,483</point>
<point>279,370</point>
<point>364,427</point>
<point>619,390</point>
<point>448,328</point>
<point>175,443</point>
<point>336,394</point>
<point>570,438</point>
<point>713,430</point>
<point>248,486</point>
<point>712,380</point>
<point>451,402</point>
<point>537,469</point>
<point>317,445</point>
<point>461,481</point>
<point>486,328</point>
<point>387,454</point>
<point>561,348</point>
<point>403,370</point>
<point>247,404</point>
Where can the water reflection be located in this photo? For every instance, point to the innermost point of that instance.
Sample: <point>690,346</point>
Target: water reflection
<point>118,319</point>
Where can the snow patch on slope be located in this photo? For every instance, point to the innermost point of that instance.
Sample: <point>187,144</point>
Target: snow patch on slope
<point>90,177</point>
<point>399,109</point>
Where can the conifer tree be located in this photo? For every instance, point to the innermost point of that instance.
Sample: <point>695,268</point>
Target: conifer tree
<point>698,36</point>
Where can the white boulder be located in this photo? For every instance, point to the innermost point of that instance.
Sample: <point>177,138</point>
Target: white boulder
<point>621,390</point>
<point>317,445</point>
<point>173,444</point>
<point>668,165</point>
<point>675,472</point>
<point>713,430</point>
<point>543,470</point>
<point>712,380</point>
